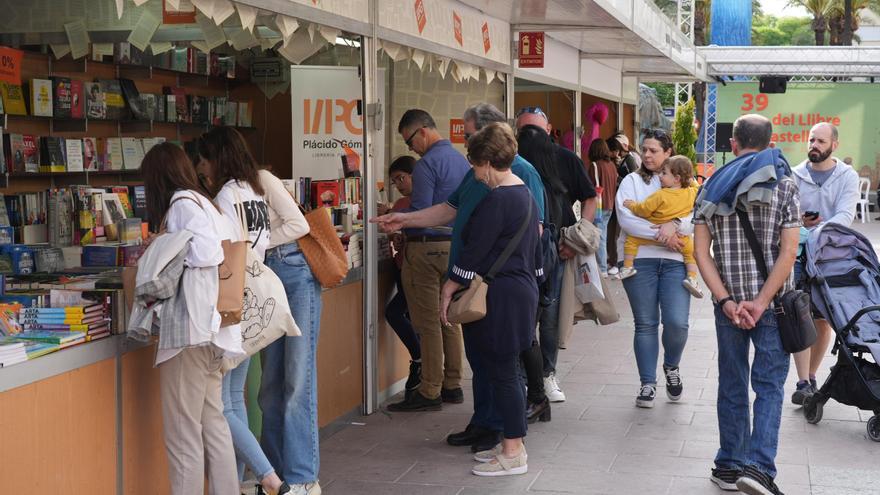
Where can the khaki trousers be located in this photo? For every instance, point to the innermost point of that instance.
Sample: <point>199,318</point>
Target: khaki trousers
<point>423,273</point>
<point>196,432</point>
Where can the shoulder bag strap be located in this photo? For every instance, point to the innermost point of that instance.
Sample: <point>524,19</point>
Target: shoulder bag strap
<point>175,200</point>
<point>511,246</point>
<point>754,244</point>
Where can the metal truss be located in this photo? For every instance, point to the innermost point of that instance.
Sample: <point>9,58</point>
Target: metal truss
<point>806,61</point>
<point>710,118</point>
<point>685,22</point>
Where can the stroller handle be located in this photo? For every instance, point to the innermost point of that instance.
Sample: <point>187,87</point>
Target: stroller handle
<point>852,322</point>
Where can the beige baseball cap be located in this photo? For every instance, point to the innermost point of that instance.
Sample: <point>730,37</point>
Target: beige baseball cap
<point>622,139</point>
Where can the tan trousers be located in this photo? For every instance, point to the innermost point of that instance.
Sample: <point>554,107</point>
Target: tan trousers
<point>196,432</point>
<point>423,273</point>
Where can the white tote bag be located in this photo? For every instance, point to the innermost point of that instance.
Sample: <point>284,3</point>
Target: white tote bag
<point>266,315</point>
<point>587,282</point>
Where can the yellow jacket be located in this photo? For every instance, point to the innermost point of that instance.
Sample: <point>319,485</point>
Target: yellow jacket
<point>666,204</point>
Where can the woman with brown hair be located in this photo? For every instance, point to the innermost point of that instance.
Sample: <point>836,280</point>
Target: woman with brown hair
<point>508,328</point>
<point>233,176</point>
<point>191,350</point>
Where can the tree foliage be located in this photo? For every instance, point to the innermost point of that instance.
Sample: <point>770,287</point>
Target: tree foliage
<point>684,137</point>
<point>665,93</point>
<point>768,30</point>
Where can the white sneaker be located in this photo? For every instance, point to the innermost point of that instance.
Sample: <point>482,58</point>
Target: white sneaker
<point>613,272</point>
<point>305,488</point>
<point>552,390</point>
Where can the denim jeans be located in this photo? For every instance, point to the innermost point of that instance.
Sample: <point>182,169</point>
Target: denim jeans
<point>486,414</point>
<point>397,314</point>
<point>548,329</point>
<point>289,389</point>
<point>741,443</point>
<point>656,295</point>
<point>602,253</point>
<point>247,450</point>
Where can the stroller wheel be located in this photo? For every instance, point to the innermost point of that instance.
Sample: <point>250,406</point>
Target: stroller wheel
<point>813,410</point>
<point>874,428</point>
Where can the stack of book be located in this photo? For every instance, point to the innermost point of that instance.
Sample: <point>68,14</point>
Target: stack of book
<point>67,324</point>
<point>12,353</point>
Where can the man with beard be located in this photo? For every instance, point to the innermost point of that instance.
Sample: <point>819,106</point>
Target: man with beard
<point>829,191</point>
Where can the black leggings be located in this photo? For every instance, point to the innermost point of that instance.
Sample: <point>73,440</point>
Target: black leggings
<point>397,314</point>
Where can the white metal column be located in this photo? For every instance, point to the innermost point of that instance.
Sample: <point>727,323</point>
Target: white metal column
<point>372,108</point>
<point>578,113</point>
<point>685,22</point>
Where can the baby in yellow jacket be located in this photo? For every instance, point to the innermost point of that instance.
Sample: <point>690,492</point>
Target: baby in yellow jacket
<point>675,199</point>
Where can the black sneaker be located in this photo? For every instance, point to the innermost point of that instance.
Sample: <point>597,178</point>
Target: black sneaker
<point>814,387</point>
<point>674,387</point>
<point>646,396</point>
<point>416,402</point>
<point>804,390</point>
<point>452,396</point>
<point>754,482</point>
<point>414,379</point>
<point>726,478</point>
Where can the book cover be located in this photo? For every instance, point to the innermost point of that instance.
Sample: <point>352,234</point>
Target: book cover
<point>114,154</point>
<point>96,104</point>
<point>132,153</point>
<point>60,220</point>
<point>62,100</point>
<point>4,214</point>
<point>140,202</point>
<point>245,114</point>
<point>122,53</point>
<point>100,255</point>
<point>160,104</point>
<point>170,108</point>
<point>114,100</point>
<point>218,116</point>
<point>199,109</point>
<point>13,99</point>
<point>31,152</point>
<point>77,99</point>
<point>52,337</point>
<point>179,57</point>
<point>74,152</point>
<point>150,142</point>
<point>133,99</point>
<point>113,210</point>
<point>325,193</point>
<point>147,103</point>
<point>231,117</point>
<point>32,319</point>
<point>52,154</point>
<point>122,193</point>
<point>41,97</point>
<point>90,154</point>
<point>177,99</point>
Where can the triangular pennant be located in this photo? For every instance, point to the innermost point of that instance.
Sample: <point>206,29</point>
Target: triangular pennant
<point>223,9</point>
<point>329,34</point>
<point>286,26</point>
<point>418,57</point>
<point>248,16</point>
<point>205,7</point>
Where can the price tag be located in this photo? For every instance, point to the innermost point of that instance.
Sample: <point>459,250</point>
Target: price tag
<point>10,65</point>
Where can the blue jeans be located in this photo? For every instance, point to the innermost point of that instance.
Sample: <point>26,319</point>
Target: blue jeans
<point>548,329</point>
<point>289,389</point>
<point>247,449</point>
<point>656,295</point>
<point>741,444</point>
<point>486,415</point>
<point>602,253</point>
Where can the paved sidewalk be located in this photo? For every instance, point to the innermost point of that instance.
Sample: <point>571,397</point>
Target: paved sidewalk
<point>598,441</point>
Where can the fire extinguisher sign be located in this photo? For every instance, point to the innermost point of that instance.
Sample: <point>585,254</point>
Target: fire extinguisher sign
<point>531,50</point>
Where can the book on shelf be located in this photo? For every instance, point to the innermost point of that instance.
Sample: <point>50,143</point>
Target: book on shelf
<point>74,153</point>
<point>61,217</point>
<point>90,156</point>
<point>64,310</point>
<point>199,109</point>
<point>133,99</point>
<point>96,105</point>
<point>132,153</point>
<point>114,155</point>
<point>61,102</point>
<point>40,97</point>
<point>122,193</point>
<point>114,100</point>
<point>113,209</point>
<point>52,154</point>
<point>13,99</point>
<point>179,58</point>
<point>13,149</point>
<point>52,337</point>
<point>31,150</point>
<point>77,99</point>
<point>231,117</point>
<point>325,193</point>
<point>4,214</point>
<point>245,114</point>
<point>178,105</point>
<point>148,143</point>
<point>139,205</point>
<point>4,163</point>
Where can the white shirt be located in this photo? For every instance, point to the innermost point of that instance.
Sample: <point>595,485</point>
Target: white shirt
<point>634,188</point>
<point>238,198</point>
<point>200,283</point>
<point>287,222</point>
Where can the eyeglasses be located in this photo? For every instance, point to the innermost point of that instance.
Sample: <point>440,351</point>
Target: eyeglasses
<point>398,179</point>
<point>534,110</point>
<point>408,141</point>
<point>467,136</point>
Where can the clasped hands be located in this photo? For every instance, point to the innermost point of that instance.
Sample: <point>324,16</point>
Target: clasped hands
<point>746,314</point>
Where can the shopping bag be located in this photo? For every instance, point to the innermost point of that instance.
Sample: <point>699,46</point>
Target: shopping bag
<point>588,282</point>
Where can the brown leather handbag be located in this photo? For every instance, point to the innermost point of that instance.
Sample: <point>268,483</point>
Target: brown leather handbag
<point>322,249</point>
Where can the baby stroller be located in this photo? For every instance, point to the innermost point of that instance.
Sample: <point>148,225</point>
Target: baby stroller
<point>843,278</point>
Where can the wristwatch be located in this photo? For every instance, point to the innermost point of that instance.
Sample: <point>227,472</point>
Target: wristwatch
<point>723,301</point>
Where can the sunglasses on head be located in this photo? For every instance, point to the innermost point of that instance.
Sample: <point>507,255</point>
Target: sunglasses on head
<point>655,134</point>
<point>533,110</point>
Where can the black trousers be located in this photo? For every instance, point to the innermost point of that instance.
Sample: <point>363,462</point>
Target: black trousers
<point>509,393</point>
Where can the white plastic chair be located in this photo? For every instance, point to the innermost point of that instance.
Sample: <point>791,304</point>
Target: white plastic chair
<point>862,205</point>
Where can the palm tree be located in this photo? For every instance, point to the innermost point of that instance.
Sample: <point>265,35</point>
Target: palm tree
<point>820,10</point>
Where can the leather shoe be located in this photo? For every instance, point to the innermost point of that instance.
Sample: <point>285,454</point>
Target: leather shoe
<point>487,441</point>
<point>452,395</point>
<point>467,437</point>
<point>416,402</point>
<point>538,411</point>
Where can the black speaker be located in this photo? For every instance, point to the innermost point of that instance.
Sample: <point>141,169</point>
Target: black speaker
<point>772,84</point>
<point>723,134</point>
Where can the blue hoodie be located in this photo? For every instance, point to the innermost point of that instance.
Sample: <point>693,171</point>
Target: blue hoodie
<point>753,175</point>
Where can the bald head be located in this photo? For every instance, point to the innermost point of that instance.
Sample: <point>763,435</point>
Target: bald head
<point>752,132</point>
<point>535,119</point>
<point>822,144</point>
